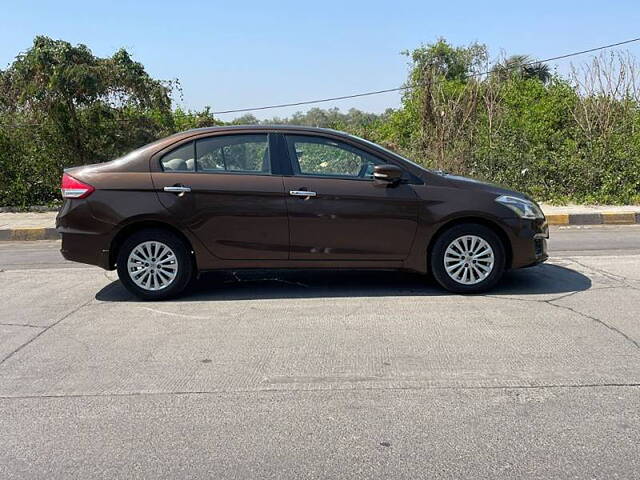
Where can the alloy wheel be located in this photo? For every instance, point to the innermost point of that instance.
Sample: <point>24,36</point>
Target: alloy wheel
<point>469,259</point>
<point>152,265</point>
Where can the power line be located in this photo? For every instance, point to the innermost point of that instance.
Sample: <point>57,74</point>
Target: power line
<point>407,87</point>
<point>388,90</point>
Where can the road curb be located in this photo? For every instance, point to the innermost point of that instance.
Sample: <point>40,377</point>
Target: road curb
<point>25,234</point>
<point>595,218</point>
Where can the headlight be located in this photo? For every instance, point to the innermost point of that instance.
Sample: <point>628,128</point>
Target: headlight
<point>523,208</point>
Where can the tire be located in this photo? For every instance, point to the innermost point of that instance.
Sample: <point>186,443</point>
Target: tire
<point>151,278</point>
<point>462,263</point>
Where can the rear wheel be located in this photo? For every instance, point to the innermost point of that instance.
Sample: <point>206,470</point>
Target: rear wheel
<point>154,264</point>
<point>468,258</point>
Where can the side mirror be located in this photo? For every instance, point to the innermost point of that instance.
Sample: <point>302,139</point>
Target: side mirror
<point>387,175</point>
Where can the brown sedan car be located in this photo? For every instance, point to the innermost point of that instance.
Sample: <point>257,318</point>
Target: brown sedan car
<point>289,197</point>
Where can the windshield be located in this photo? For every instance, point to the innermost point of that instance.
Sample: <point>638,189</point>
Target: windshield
<point>391,152</point>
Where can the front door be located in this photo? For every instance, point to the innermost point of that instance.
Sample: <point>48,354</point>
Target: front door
<point>222,188</point>
<point>337,212</point>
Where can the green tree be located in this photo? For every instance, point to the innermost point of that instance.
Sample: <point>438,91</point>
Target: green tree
<point>441,59</point>
<point>562,138</point>
<point>66,107</point>
<point>80,96</point>
<point>440,100</point>
<point>523,66</point>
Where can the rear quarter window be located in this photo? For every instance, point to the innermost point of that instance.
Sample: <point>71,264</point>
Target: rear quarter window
<point>180,159</point>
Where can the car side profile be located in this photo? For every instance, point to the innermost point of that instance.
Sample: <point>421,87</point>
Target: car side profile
<point>289,197</point>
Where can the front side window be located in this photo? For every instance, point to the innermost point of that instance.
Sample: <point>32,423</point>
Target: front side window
<point>234,153</point>
<point>326,157</point>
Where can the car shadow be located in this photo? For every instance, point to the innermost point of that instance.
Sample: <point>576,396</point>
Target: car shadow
<point>280,284</point>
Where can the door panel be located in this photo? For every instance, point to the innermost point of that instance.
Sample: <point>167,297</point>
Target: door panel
<point>236,215</point>
<point>350,219</point>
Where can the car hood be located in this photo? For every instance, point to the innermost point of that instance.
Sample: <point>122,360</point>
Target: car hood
<point>473,184</point>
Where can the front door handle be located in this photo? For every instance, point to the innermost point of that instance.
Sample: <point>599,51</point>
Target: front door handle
<point>302,193</point>
<point>177,189</point>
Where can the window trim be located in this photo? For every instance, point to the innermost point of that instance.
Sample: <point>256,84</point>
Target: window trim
<point>193,140</point>
<point>323,140</point>
<point>173,149</point>
<point>387,159</point>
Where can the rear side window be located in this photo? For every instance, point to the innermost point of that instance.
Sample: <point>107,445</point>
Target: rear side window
<point>180,159</point>
<point>234,153</point>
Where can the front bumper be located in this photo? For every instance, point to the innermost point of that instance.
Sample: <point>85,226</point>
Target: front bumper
<point>540,251</point>
<point>528,242</point>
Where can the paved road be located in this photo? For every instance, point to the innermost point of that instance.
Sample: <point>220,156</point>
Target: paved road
<point>324,375</point>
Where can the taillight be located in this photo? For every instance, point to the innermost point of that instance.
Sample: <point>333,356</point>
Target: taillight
<point>73,188</point>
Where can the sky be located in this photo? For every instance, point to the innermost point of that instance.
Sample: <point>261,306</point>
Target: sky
<point>236,54</point>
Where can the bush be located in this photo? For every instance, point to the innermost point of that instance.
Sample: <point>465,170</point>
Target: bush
<point>573,139</point>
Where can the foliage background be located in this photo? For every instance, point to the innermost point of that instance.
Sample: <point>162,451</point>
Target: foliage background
<point>573,138</point>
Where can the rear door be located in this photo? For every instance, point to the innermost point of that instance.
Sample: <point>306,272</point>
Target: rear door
<point>224,189</point>
<point>337,212</point>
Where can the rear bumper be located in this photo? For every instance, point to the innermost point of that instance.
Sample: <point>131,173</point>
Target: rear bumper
<point>85,248</point>
<point>84,238</point>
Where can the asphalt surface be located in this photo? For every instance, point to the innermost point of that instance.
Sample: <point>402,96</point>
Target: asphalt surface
<point>324,374</point>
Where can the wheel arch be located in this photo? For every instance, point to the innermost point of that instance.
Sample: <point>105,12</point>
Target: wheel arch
<point>494,226</point>
<point>136,226</point>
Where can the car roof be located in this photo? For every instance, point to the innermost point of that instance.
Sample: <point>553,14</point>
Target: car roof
<point>271,128</point>
<point>165,142</point>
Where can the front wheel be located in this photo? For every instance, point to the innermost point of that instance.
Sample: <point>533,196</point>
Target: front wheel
<point>154,264</point>
<point>468,258</point>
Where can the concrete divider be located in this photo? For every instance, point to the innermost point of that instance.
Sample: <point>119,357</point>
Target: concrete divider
<point>28,233</point>
<point>594,218</point>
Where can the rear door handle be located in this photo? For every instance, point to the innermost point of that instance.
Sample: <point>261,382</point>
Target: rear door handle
<point>302,193</point>
<point>177,189</point>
